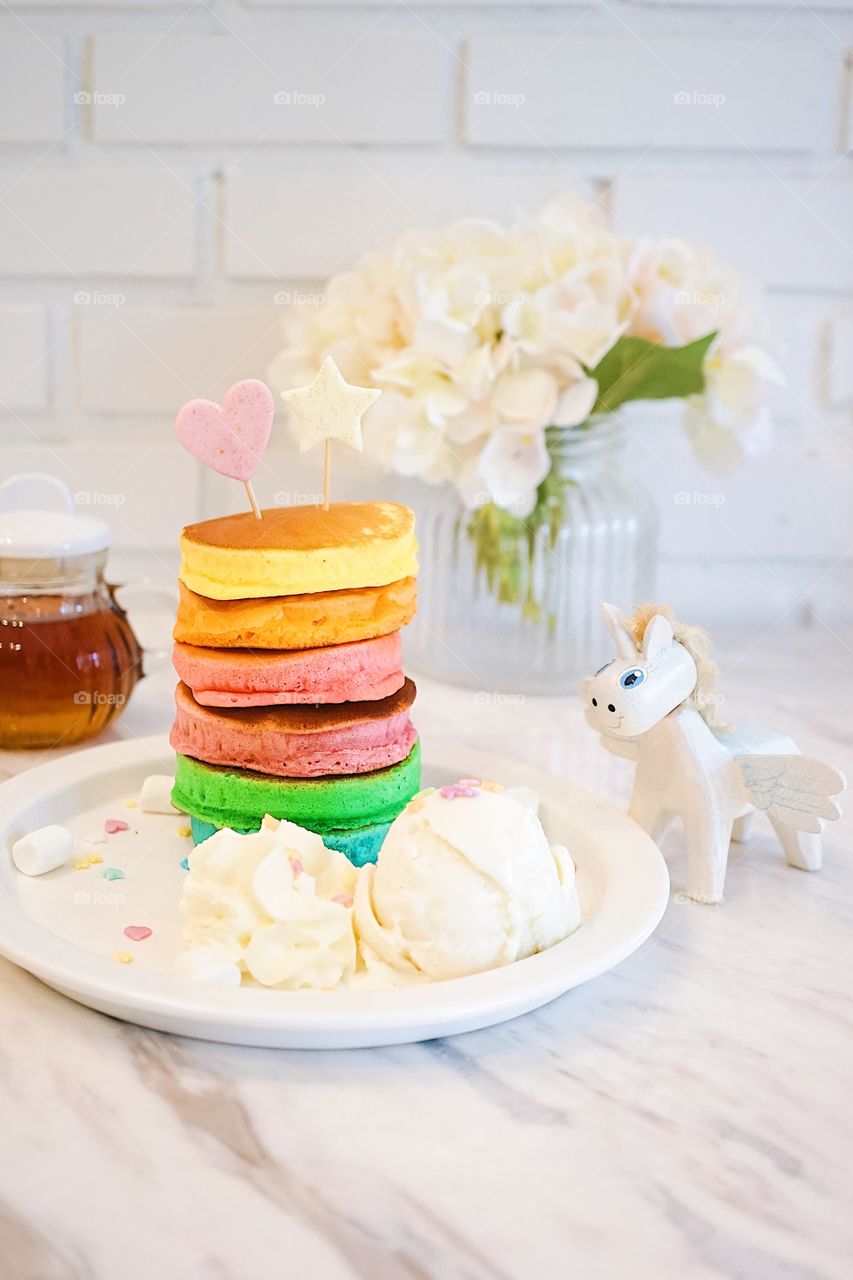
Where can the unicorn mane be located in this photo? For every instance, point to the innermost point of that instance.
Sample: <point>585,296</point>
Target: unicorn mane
<point>698,644</point>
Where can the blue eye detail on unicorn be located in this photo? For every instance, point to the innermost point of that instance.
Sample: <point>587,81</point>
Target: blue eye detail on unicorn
<point>655,703</point>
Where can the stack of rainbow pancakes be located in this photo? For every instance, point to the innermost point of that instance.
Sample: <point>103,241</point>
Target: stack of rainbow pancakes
<point>292,698</point>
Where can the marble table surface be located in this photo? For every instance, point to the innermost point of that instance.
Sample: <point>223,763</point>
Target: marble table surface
<point>688,1115</point>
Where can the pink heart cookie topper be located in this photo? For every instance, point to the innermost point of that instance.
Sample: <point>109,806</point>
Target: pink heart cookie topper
<point>231,437</point>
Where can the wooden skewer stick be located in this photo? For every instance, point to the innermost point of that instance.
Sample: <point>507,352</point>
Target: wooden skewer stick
<point>252,499</point>
<point>327,472</point>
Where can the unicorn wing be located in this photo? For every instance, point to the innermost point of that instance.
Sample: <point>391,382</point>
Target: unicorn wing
<point>792,789</point>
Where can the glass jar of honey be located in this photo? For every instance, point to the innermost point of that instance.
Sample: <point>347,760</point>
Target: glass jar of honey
<point>69,659</point>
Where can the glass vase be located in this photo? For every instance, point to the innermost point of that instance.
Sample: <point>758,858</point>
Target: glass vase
<point>549,634</point>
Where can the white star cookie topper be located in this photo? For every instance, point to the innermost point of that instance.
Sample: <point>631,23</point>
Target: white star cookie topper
<point>330,409</point>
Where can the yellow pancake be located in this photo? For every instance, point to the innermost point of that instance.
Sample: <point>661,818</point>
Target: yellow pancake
<point>299,551</point>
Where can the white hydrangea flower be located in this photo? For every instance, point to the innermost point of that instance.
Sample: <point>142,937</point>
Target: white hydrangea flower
<point>482,335</point>
<point>512,466</point>
<point>732,418</point>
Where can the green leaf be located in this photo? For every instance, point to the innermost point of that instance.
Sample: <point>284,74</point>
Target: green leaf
<point>634,369</point>
<point>505,545</point>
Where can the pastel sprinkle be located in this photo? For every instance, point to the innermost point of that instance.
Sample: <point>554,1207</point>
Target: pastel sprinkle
<point>496,787</point>
<point>456,790</point>
<point>87,860</point>
<point>112,873</point>
<point>131,804</point>
<point>469,782</point>
<point>296,867</point>
<point>185,863</point>
<point>185,831</point>
<point>123,957</point>
<point>98,839</point>
<point>137,932</point>
<point>344,899</point>
<point>112,825</point>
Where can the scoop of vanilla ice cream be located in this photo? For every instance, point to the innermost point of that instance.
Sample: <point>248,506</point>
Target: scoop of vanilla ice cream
<point>276,904</point>
<point>466,880</point>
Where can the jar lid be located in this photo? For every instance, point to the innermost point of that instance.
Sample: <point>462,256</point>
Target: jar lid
<point>38,518</point>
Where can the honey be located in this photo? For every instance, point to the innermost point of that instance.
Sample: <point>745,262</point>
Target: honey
<point>68,665</point>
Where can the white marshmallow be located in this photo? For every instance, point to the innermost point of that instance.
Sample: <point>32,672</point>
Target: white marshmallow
<point>156,794</point>
<point>43,850</point>
<point>208,964</point>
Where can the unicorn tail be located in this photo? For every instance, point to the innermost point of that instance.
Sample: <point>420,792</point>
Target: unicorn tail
<point>792,789</point>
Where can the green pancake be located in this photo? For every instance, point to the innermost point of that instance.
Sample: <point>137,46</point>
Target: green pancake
<point>237,798</point>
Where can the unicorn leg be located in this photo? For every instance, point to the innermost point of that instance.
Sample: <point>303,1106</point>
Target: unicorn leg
<point>802,849</point>
<point>740,828</point>
<point>708,839</point>
<point>645,810</point>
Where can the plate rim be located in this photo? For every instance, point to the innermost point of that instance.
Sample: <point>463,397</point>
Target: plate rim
<point>487,998</point>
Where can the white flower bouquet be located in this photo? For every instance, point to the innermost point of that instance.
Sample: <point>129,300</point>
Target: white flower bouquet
<point>488,340</point>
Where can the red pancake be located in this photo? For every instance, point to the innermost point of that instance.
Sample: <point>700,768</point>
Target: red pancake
<point>297,741</point>
<point>364,671</point>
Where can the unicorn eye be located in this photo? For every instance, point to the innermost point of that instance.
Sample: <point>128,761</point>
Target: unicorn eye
<point>630,679</point>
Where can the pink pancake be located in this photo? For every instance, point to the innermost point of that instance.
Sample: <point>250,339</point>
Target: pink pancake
<point>297,742</point>
<point>363,671</point>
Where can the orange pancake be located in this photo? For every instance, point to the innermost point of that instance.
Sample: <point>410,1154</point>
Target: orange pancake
<point>295,622</point>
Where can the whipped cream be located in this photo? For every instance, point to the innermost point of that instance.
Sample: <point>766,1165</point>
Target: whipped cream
<point>275,905</point>
<point>466,881</point>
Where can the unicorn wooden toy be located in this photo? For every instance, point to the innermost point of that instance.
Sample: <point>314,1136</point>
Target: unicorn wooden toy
<point>654,703</point>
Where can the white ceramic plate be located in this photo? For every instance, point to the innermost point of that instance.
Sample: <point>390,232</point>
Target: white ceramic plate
<point>66,927</point>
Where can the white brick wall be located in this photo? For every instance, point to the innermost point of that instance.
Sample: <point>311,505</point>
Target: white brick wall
<point>786,232</point>
<point>837,382</point>
<point>169,173</point>
<point>23,358</point>
<point>67,223</point>
<point>342,212</point>
<point>662,92</point>
<point>305,87</point>
<point>134,360</point>
<point>32,91</point>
